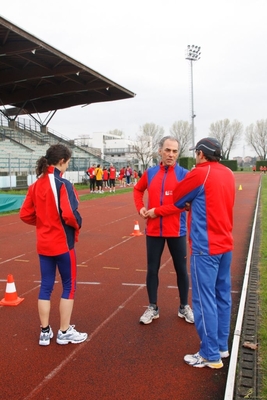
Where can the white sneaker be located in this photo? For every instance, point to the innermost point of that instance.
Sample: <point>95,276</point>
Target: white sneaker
<point>186,313</point>
<point>149,315</point>
<point>71,336</point>
<point>195,360</point>
<point>45,337</point>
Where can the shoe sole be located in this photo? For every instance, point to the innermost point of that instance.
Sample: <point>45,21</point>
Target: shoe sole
<point>187,320</point>
<point>210,365</point>
<point>149,322</point>
<point>46,343</point>
<point>70,341</point>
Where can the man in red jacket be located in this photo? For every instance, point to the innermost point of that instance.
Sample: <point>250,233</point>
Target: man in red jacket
<point>210,189</point>
<point>112,178</point>
<point>91,174</point>
<point>159,181</point>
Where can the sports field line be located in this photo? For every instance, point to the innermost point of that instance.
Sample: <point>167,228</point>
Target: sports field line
<point>108,249</point>
<point>11,259</point>
<point>79,347</point>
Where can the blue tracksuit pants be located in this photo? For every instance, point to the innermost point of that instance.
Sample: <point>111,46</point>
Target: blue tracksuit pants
<point>211,299</point>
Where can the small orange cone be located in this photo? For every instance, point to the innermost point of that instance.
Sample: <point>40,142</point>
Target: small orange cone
<point>11,298</point>
<point>240,187</point>
<point>136,231</point>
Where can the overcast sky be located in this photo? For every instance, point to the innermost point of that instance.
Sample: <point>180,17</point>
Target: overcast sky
<point>141,46</point>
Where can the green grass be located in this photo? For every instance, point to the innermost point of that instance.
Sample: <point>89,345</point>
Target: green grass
<point>82,197</point>
<point>90,196</point>
<point>13,191</point>
<point>263,292</point>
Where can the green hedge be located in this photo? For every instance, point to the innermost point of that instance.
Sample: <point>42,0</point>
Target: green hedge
<point>232,164</point>
<point>189,162</point>
<point>260,164</point>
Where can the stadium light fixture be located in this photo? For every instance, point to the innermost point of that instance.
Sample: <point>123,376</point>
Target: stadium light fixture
<point>192,54</point>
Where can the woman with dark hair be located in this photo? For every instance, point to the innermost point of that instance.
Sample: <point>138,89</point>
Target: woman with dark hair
<point>51,204</point>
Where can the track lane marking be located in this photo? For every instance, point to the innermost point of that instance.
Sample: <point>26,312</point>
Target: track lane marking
<point>11,259</point>
<point>79,347</point>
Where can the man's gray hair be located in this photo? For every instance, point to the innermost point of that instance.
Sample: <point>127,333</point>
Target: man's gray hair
<point>161,142</point>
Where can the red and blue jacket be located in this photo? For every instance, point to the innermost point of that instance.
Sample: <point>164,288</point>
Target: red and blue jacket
<point>159,181</point>
<point>51,204</point>
<point>210,188</point>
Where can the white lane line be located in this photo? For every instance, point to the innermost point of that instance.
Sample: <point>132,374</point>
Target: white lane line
<point>31,290</point>
<point>78,283</point>
<point>79,347</point>
<point>108,249</point>
<point>134,284</point>
<point>232,369</point>
<point>112,222</point>
<point>11,259</point>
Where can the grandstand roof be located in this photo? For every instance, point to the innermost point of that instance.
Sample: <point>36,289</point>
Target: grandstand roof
<point>37,78</point>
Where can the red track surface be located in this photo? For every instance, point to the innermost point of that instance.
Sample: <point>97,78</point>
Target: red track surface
<point>121,359</point>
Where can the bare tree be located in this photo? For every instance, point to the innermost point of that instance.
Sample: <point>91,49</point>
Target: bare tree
<point>154,131</point>
<point>143,150</point>
<point>228,134</point>
<point>181,130</point>
<point>146,148</point>
<point>256,137</point>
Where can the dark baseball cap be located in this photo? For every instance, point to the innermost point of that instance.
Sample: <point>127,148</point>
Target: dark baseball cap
<point>209,146</point>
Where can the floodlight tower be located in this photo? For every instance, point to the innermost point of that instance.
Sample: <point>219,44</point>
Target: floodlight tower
<point>192,54</point>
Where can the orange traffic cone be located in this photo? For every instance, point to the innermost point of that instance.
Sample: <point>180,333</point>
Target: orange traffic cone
<point>11,298</point>
<point>136,231</point>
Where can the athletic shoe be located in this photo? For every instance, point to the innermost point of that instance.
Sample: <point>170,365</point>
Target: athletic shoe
<point>149,315</point>
<point>71,336</point>
<point>195,360</point>
<point>224,354</point>
<point>186,313</point>
<point>45,337</point>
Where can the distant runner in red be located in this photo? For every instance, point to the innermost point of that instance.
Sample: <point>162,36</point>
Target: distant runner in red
<point>105,178</point>
<point>112,178</point>
<point>91,174</point>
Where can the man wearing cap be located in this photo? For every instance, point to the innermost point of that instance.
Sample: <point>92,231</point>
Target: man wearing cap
<point>210,190</point>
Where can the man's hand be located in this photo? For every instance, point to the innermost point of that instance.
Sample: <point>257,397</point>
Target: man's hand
<point>151,213</point>
<point>143,212</point>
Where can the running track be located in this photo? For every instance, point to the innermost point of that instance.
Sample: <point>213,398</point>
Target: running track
<point>121,359</point>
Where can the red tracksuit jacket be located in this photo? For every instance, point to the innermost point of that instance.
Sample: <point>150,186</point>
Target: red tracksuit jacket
<point>51,204</point>
<point>160,182</point>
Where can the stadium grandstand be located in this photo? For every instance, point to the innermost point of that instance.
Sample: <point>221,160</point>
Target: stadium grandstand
<point>36,78</point>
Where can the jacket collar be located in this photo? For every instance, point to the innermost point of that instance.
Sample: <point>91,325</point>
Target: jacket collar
<point>167,167</point>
